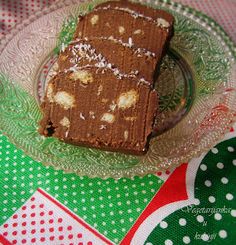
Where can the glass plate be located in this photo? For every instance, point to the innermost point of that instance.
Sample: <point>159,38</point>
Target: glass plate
<point>197,88</point>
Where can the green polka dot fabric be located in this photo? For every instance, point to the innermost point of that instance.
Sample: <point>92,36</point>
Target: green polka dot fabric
<point>213,219</point>
<point>111,206</point>
<point>195,204</point>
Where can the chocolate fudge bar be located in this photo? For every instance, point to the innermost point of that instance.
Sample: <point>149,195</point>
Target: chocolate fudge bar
<point>132,23</point>
<point>93,108</point>
<point>101,52</point>
<point>103,94</point>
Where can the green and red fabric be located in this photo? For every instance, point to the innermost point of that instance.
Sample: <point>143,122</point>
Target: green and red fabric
<point>193,204</point>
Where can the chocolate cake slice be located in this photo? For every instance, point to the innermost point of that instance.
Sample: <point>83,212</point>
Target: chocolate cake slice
<point>97,109</point>
<point>137,63</point>
<point>135,8</point>
<point>139,25</point>
<point>103,93</point>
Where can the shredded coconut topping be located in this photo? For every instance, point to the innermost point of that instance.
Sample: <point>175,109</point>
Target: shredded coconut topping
<point>81,116</point>
<point>141,51</point>
<point>159,22</point>
<point>90,54</point>
<point>103,127</point>
<point>130,41</point>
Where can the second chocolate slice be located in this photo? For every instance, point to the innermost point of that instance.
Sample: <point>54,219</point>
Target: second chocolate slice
<point>91,108</point>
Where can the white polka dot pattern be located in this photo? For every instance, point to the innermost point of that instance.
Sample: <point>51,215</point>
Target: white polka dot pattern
<point>222,233</point>
<point>92,199</point>
<point>186,240</point>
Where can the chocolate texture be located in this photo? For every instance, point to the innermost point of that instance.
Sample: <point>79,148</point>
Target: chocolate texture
<point>102,95</point>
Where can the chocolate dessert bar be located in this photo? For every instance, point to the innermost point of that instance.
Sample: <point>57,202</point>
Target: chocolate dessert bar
<point>97,109</point>
<point>100,52</point>
<point>102,95</point>
<point>135,24</point>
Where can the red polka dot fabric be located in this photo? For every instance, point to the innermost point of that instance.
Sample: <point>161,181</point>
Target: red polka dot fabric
<point>43,220</point>
<point>14,11</point>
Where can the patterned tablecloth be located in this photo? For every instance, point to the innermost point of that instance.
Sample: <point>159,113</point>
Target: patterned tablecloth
<point>194,204</point>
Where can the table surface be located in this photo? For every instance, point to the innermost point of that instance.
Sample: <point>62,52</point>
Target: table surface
<point>193,204</point>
